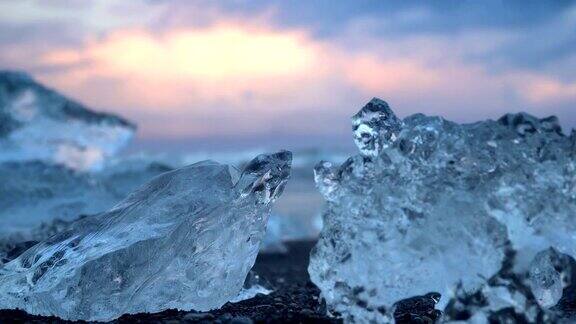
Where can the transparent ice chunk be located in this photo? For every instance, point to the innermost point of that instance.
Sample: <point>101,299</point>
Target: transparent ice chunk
<point>432,205</point>
<point>185,240</point>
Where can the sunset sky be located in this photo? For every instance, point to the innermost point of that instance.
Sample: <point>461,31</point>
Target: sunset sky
<point>241,74</point>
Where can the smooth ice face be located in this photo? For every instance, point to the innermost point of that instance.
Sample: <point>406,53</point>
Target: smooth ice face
<point>184,240</point>
<point>37,123</point>
<point>435,206</point>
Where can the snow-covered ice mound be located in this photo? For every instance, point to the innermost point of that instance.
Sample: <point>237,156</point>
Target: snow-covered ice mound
<point>37,123</point>
<point>435,206</point>
<point>185,240</point>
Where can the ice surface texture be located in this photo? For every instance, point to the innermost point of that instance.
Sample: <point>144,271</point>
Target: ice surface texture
<point>550,272</point>
<point>185,240</point>
<point>37,123</point>
<point>431,205</point>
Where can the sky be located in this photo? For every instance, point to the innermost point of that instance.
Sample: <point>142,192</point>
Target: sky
<point>232,74</point>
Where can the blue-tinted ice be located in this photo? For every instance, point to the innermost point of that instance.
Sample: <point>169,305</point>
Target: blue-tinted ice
<point>184,240</point>
<point>434,206</point>
<point>37,123</point>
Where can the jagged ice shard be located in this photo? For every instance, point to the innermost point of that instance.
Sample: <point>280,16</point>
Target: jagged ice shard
<point>37,123</point>
<point>435,206</point>
<point>185,240</point>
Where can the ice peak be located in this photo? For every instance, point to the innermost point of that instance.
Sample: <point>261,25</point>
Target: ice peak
<point>375,108</point>
<point>266,175</point>
<point>378,104</point>
<point>375,127</point>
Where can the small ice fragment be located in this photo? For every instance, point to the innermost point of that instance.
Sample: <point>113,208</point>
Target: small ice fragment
<point>550,273</point>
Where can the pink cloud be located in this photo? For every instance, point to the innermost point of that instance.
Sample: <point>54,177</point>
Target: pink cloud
<point>235,77</point>
<point>545,90</point>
